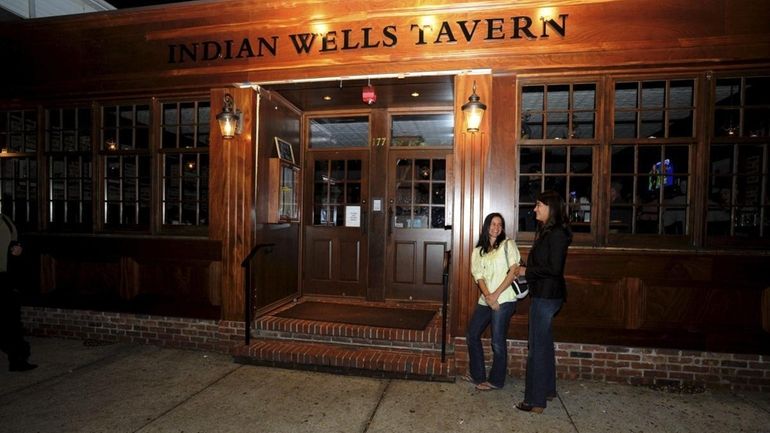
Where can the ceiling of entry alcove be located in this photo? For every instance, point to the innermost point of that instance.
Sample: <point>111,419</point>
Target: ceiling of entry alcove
<point>433,91</point>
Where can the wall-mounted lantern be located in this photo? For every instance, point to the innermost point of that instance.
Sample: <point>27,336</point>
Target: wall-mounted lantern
<point>474,111</point>
<point>229,119</point>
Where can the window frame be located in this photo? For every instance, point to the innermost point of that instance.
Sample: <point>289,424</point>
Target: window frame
<point>591,237</point>
<point>32,200</point>
<point>742,139</point>
<point>159,186</point>
<point>694,143</point>
<point>48,154</point>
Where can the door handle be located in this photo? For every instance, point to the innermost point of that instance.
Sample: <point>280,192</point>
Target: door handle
<point>390,220</point>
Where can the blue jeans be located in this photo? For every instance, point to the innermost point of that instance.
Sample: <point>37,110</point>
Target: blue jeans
<point>541,359</point>
<point>500,320</point>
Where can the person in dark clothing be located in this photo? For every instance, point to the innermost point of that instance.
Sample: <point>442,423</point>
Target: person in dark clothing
<point>548,291</point>
<point>11,330</point>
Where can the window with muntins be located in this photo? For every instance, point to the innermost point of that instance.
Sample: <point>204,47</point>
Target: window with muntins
<point>184,146</point>
<point>556,149</point>
<point>126,164</point>
<point>653,134</point>
<point>739,184</point>
<point>18,167</point>
<point>68,151</point>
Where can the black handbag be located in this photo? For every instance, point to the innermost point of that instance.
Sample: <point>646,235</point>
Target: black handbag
<point>519,285</point>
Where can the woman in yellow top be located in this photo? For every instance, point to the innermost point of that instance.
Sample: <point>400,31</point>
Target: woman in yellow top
<point>493,266</point>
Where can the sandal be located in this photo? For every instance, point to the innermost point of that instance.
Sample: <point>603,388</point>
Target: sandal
<point>486,386</point>
<point>526,407</point>
<point>468,378</point>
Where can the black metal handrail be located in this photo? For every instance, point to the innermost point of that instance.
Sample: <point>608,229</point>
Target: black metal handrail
<point>246,264</point>
<point>445,301</point>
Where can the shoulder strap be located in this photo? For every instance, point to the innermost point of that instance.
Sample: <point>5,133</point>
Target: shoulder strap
<point>505,247</point>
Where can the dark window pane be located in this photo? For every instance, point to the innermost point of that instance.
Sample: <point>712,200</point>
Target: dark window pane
<point>558,98</point>
<point>679,157</point>
<point>653,94</point>
<point>625,124</point>
<point>758,91</point>
<point>728,92</point>
<point>757,122</point>
<point>582,125</point>
<point>354,169</point>
<point>439,169</point>
<point>530,159</point>
<point>582,160</point>
<point>555,159</point>
<point>532,98</point>
<point>626,95</point>
<point>680,123</point>
<point>726,123</point>
<point>584,96</point>
<point>557,125</point>
<point>652,125</point>
<point>532,126</point>
<point>681,94</point>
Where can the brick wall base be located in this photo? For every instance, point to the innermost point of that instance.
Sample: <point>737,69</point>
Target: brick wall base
<point>631,365</point>
<point>638,366</point>
<point>197,334</point>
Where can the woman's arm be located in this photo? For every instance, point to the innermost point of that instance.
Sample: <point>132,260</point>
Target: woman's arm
<point>556,244</point>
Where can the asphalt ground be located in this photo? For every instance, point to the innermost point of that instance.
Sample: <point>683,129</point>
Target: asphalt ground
<point>82,387</point>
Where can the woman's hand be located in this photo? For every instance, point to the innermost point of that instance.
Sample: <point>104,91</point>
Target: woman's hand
<point>492,301</point>
<point>521,270</point>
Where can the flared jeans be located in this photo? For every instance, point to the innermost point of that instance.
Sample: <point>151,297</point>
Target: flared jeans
<point>499,320</point>
<point>541,359</point>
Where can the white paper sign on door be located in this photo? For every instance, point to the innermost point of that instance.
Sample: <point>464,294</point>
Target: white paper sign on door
<point>352,216</point>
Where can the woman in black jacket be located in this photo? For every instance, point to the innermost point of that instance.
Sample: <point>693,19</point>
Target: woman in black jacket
<point>547,290</point>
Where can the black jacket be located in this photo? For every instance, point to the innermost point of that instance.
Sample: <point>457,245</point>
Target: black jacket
<point>545,264</point>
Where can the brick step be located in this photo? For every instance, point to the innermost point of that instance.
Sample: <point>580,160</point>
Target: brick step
<point>346,359</point>
<point>344,333</point>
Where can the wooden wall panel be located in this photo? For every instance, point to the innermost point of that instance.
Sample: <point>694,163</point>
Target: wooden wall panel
<point>276,273</point>
<point>471,159</point>
<point>126,274</point>
<point>667,303</point>
<point>232,192</point>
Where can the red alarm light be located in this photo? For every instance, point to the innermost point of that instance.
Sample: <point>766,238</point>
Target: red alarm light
<point>368,94</point>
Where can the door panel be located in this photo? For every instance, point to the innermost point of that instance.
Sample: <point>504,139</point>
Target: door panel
<point>417,238</point>
<point>336,250</point>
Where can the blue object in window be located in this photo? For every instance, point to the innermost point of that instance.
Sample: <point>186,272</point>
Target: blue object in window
<point>661,175</point>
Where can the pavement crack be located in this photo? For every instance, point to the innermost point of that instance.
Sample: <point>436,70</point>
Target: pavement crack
<point>377,406</point>
<point>189,397</point>
<point>120,351</point>
<point>569,415</point>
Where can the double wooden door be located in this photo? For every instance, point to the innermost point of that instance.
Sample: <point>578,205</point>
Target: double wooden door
<point>377,221</point>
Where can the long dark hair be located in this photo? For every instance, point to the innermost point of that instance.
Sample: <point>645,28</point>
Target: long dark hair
<point>484,237</point>
<point>557,213</point>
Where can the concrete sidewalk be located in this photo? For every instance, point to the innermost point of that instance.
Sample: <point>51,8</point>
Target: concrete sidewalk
<point>130,388</point>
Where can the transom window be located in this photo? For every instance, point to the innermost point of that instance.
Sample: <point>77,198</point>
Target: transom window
<point>422,130</point>
<point>339,132</point>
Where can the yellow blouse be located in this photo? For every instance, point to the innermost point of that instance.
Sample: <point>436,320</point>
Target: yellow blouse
<point>492,268</point>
